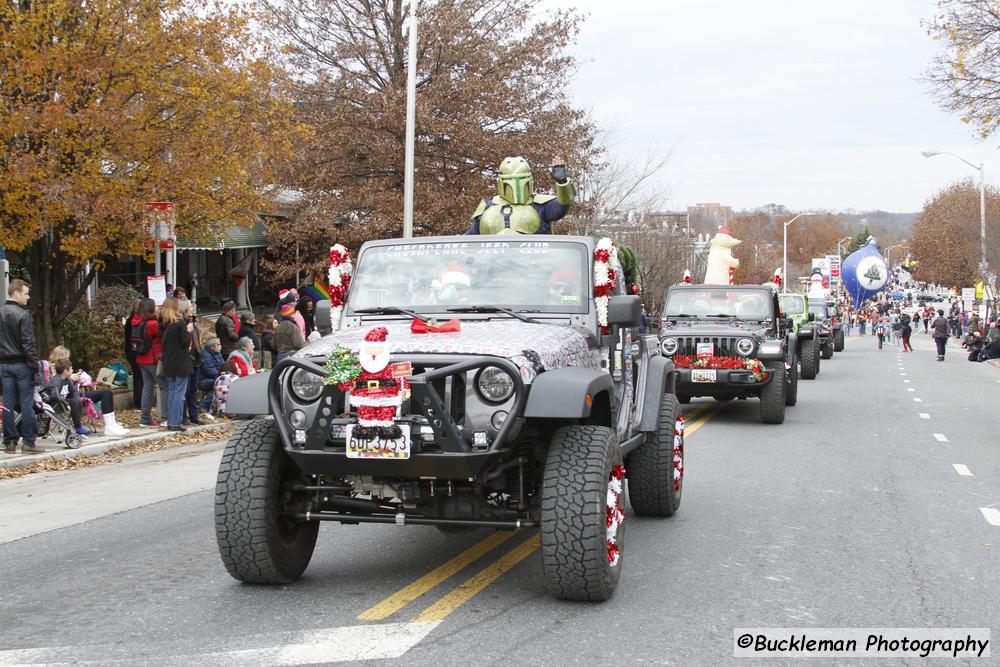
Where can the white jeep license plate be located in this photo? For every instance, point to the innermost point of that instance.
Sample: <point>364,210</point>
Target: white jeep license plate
<point>379,448</point>
<point>703,375</point>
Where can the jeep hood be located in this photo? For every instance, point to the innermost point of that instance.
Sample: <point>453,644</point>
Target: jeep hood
<point>533,348</point>
<point>714,329</point>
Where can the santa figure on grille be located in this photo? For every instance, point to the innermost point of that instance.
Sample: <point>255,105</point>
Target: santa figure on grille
<point>377,392</point>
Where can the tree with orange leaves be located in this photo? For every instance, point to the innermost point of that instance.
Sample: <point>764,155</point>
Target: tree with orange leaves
<point>106,104</point>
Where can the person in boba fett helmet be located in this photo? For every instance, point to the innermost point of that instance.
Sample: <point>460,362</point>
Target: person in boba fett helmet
<point>516,209</point>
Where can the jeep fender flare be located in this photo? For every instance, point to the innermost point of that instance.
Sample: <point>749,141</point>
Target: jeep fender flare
<point>660,379</point>
<point>562,393</point>
<point>248,395</point>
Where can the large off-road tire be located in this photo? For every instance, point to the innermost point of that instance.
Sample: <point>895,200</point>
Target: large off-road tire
<point>792,383</point>
<point>576,558</point>
<point>656,467</point>
<point>257,542</point>
<point>827,350</point>
<point>772,397</point>
<point>838,340</point>
<point>683,399</point>
<point>810,359</point>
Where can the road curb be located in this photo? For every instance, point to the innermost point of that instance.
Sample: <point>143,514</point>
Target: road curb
<point>97,448</point>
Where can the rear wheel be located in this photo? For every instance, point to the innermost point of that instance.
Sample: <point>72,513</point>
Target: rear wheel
<point>656,467</point>
<point>583,506</point>
<point>810,359</point>
<point>827,350</point>
<point>792,382</point>
<point>258,541</point>
<point>772,397</point>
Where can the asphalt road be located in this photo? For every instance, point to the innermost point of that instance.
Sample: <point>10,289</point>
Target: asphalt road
<point>870,507</point>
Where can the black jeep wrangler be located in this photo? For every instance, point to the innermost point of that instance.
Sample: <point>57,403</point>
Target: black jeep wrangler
<point>531,416</point>
<point>730,341</point>
<point>828,326</point>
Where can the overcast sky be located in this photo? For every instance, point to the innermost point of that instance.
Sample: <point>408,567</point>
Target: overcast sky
<point>808,104</point>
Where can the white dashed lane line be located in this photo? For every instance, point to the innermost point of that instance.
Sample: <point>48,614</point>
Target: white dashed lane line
<point>910,389</point>
<point>906,381</point>
<point>962,469</point>
<point>940,437</point>
<point>991,514</point>
<point>925,415</point>
<point>918,400</point>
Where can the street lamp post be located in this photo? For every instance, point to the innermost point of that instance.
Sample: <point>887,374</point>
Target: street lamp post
<point>888,253</point>
<point>784,246</point>
<point>983,264</point>
<point>411,112</point>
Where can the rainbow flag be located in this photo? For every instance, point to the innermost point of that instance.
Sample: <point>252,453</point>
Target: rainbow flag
<point>318,291</point>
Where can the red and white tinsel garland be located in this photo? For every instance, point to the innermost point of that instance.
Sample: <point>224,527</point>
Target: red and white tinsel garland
<point>678,453</point>
<point>339,278</point>
<point>605,258</point>
<point>615,513</point>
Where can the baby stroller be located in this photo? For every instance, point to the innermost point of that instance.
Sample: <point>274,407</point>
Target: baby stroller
<point>53,418</point>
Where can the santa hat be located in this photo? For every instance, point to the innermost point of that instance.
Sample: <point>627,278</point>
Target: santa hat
<point>563,275</point>
<point>455,274</point>
<point>723,231</point>
<point>377,335</point>
<point>687,276</point>
<point>777,278</point>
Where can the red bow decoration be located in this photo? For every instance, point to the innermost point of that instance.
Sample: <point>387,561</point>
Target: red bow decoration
<point>422,327</point>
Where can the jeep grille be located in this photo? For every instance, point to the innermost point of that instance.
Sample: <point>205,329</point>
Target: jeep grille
<point>725,346</point>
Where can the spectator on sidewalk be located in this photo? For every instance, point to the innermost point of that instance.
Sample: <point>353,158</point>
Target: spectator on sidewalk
<point>268,352</point>
<point>182,299</point>
<point>241,359</point>
<point>211,363</point>
<point>130,356</point>
<point>148,343</point>
<point>191,394</point>
<point>288,338</point>
<point>248,329</point>
<point>18,368</point>
<point>66,385</point>
<point>307,310</point>
<point>916,321</point>
<point>906,332</point>
<point>227,328</point>
<point>176,361</point>
<point>940,333</point>
<point>974,344</point>
<point>992,350</point>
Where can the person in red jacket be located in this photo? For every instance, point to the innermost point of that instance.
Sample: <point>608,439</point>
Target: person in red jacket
<point>241,359</point>
<point>147,342</point>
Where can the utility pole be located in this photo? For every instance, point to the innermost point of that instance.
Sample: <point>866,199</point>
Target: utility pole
<point>411,113</point>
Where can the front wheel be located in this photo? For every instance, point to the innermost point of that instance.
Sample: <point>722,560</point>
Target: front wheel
<point>772,397</point>
<point>656,467</point>
<point>583,507</point>
<point>838,340</point>
<point>810,359</point>
<point>258,541</point>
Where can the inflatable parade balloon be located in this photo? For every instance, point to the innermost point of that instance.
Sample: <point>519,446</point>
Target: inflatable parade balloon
<point>865,272</point>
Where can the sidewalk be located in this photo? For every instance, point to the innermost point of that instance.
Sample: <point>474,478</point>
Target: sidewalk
<point>96,444</point>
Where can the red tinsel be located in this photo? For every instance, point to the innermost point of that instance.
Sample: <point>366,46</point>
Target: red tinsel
<point>613,552</point>
<point>602,255</point>
<point>688,361</point>
<point>605,289</point>
<point>618,471</point>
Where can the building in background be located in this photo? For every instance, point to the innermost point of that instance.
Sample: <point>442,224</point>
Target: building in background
<point>709,215</point>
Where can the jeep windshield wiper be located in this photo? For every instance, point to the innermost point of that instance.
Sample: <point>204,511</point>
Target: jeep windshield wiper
<point>388,310</point>
<point>493,309</point>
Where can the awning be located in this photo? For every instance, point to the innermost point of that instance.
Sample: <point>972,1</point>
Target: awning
<point>235,236</point>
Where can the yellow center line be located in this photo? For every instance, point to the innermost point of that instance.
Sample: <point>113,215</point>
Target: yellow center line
<point>405,596</point>
<point>475,584</point>
<point>452,601</point>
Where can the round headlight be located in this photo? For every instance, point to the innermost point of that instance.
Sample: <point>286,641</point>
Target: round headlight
<point>494,384</point>
<point>669,346</point>
<point>744,346</point>
<point>306,386</point>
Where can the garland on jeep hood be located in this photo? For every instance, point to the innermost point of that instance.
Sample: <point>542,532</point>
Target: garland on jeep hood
<point>734,363</point>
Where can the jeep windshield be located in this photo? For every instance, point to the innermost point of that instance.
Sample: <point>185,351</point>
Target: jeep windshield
<point>442,277</point>
<point>743,304</point>
<point>819,309</point>
<point>792,305</point>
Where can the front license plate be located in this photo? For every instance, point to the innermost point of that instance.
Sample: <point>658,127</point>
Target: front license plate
<point>379,448</point>
<point>703,375</point>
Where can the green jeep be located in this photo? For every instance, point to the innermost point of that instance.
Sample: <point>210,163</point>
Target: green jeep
<point>796,308</point>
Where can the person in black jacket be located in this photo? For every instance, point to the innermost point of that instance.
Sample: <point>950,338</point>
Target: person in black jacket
<point>130,356</point>
<point>227,328</point>
<point>18,368</point>
<point>176,361</point>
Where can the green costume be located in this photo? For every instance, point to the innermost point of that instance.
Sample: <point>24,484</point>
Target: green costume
<point>516,209</point>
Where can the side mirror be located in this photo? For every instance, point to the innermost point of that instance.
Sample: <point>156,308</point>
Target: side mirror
<point>785,322</point>
<point>624,311</point>
<point>322,317</point>
<point>812,317</point>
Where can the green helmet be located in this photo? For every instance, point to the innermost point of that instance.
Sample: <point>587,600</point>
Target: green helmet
<point>515,183</point>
